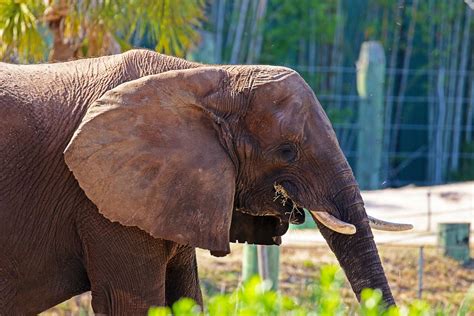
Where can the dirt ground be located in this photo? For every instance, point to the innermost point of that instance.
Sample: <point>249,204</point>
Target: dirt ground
<point>444,280</point>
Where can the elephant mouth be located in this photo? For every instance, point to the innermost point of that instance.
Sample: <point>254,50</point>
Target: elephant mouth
<point>282,209</point>
<point>292,212</point>
<point>261,230</point>
<point>279,224</point>
<point>274,202</point>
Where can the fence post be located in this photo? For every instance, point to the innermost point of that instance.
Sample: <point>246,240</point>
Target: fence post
<point>274,259</point>
<point>428,197</point>
<point>421,262</point>
<point>370,87</point>
<point>262,260</point>
<point>249,262</point>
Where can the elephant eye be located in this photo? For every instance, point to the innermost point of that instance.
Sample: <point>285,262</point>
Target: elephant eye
<point>288,152</point>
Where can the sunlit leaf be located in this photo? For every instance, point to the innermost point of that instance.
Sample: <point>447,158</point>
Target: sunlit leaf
<point>95,26</point>
<point>159,311</point>
<point>19,34</point>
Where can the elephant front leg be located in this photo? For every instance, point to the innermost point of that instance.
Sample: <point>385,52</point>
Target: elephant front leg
<point>182,277</point>
<point>126,266</point>
<point>128,293</point>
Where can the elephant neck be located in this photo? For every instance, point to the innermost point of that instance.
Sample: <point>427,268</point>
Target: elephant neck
<point>146,62</point>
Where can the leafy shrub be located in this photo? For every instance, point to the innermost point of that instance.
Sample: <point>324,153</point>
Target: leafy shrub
<point>256,298</point>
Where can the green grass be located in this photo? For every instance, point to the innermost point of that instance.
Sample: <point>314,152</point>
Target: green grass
<point>255,298</point>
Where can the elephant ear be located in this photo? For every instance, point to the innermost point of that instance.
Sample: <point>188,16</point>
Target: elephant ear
<point>148,154</point>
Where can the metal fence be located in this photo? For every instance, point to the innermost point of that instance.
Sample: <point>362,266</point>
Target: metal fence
<point>430,133</point>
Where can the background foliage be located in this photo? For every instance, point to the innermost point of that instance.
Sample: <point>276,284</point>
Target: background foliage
<point>75,28</point>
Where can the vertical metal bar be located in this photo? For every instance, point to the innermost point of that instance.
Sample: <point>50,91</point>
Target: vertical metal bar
<point>428,196</point>
<point>420,273</point>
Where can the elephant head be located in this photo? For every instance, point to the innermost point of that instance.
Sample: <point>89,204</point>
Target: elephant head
<point>210,155</point>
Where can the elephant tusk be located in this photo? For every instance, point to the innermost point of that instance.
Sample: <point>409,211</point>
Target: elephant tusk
<point>378,224</point>
<point>333,223</point>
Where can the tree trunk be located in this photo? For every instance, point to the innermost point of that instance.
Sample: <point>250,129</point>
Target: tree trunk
<point>460,93</point>
<point>301,56</point>
<point>470,113</point>
<point>63,49</point>
<point>262,9</point>
<point>256,26</point>
<point>443,45</point>
<point>219,30</point>
<point>233,26</point>
<point>336,56</point>
<point>390,91</point>
<point>239,31</point>
<point>403,82</point>
<point>452,79</point>
<point>431,98</point>
<point>439,148</point>
<point>312,46</point>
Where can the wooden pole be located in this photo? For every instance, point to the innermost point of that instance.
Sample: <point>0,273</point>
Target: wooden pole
<point>370,85</point>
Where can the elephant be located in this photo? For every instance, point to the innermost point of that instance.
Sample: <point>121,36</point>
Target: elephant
<point>114,169</point>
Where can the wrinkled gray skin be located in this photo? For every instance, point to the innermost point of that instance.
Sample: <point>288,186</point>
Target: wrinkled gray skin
<point>56,244</point>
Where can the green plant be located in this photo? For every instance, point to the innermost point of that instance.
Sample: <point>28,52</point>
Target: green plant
<point>87,26</point>
<point>255,298</point>
<point>19,30</point>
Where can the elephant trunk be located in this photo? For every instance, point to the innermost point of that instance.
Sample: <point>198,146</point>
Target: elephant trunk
<point>356,253</point>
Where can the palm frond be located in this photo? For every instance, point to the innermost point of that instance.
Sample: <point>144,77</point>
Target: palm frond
<point>19,34</point>
<point>92,24</point>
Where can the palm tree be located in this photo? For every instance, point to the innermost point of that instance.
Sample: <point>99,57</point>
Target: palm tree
<point>76,28</point>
